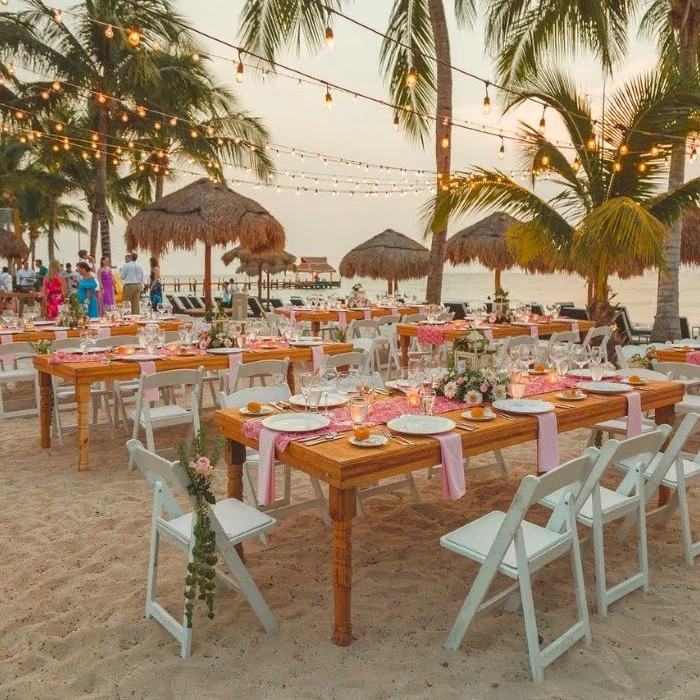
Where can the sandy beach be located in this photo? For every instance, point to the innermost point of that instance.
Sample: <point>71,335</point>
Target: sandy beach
<point>73,588</point>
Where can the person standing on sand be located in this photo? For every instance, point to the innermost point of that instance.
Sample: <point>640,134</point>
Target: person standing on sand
<point>106,282</point>
<point>132,282</point>
<point>86,289</point>
<point>155,289</point>
<point>55,290</point>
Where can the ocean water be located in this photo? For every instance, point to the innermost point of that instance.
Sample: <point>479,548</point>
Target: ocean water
<point>637,294</point>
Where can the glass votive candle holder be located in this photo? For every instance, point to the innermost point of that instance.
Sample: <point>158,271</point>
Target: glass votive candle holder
<point>413,395</point>
<point>553,375</point>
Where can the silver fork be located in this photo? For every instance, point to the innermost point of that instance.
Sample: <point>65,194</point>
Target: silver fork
<point>401,440</point>
<point>506,416</point>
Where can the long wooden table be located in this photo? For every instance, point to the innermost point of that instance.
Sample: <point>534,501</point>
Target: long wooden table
<point>345,468</point>
<point>674,354</point>
<point>319,316</point>
<point>83,374</point>
<point>115,330</point>
<point>408,331</point>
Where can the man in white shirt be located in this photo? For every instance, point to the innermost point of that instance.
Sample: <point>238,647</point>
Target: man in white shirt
<point>6,286</point>
<point>72,278</point>
<point>25,277</point>
<point>131,274</point>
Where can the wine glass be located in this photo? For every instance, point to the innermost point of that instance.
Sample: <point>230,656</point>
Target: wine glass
<point>579,356</point>
<point>328,379</point>
<point>93,337</point>
<point>84,340</point>
<point>307,382</point>
<point>427,401</point>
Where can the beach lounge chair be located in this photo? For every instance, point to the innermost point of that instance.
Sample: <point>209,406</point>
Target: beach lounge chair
<point>636,333</point>
<point>603,505</point>
<point>283,506</point>
<point>256,307</point>
<point>296,301</point>
<point>232,521</point>
<point>457,308</point>
<point>677,470</point>
<point>509,544</point>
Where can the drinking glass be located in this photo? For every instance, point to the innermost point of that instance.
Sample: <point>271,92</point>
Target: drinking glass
<point>579,356</point>
<point>328,380</point>
<point>307,382</point>
<point>93,336</point>
<point>314,398</point>
<point>597,371</point>
<point>414,370</point>
<point>562,364</point>
<point>141,338</point>
<point>358,411</point>
<point>84,340</point>
<point>427,401</point>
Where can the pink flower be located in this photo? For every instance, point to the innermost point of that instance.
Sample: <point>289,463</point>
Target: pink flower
<point>484,388</point>
<point>203,466</point>
<point>460,381</point>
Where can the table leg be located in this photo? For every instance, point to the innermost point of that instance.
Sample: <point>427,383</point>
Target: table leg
<point>234,453</point>
<point>82,397</point>
<point>404,344</point>
<point>290,378</point>
<point>315,328</point>
<point>341,505</point>
<point>664,414</point>
<point>45,408</point>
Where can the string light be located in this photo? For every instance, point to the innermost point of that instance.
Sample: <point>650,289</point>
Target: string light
<point>4,2</point>
<point>397,123</point>
<point>693,153</point>
<point>642,166</point>
<point>239,69</point>
<point>617,166</point>
<point>10,69</point>
<point>591,144</point>
<point>487,99</point>
<point>109,32</point>
<point>624,149</point>
<point>195,57</point>
<point>330,39</point>
<point>654,151</point>
<point>411,78</point>
<point>502,150</point>
<point>173,121</point>
<point>101,98</point>
<point>45,94</point>
<point>543,124</point>
<point>445,141</point>
<point>133,35</point>
<point>545,160</point>
<point>124,117</point>
<point>576,164</point>
<point>329,98</point>
<point>56,86</point>
<point>58,16</point>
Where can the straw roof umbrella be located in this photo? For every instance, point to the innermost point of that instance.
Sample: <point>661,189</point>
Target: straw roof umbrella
<point>254,264</point>
<point>389,256</point>
<point>204,212</point>
<point>12,247</point>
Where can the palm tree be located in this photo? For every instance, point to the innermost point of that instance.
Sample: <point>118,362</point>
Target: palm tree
<point>607,212</point>
<point>524,32</point>
<point>414,59</point>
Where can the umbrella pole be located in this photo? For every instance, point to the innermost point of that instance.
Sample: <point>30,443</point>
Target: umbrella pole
<point>260,296</point>
<point>388,286</point>
<point>497,280</point>
<point>267,274</point>
<point>207,277</point>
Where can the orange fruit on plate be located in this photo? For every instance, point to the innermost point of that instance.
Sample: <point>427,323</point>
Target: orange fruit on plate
<point>686,348</point>
<point>361,433</point>
<point>570,393</point>
<point>634,379</point>
<point>477,412</point>
<point>253,407</point>
<point>538,368</point>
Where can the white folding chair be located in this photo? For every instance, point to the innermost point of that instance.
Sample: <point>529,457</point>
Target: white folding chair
<point>624,353</point>
<point>233,522</point>
<point>17,367</point>
<point>388,331</point>
<point>282,507</point>
<point>618,426</point>
<point>517,341</point>
<point>263,372</point>
<point>509,544</point>
<point>355,359</point>
<point>149,418</point>
<point>677,470</point>
<point>414,318</point>
<point>364,328</point>
<point>601,334</point>
<point>685,372</point>
<point>388,320</point>
<point>603,505</point>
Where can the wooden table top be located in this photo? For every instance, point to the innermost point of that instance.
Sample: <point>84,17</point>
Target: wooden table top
<point>302,314</point>
<point>343,466</point>
<point>120,369</point>
<point>123,329</point>
<point>503,330</point>
<point>674,354</point>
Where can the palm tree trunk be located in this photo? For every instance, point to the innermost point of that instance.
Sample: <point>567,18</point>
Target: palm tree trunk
<point>207,277</point>
<point>52,227</point>
<point>685,20</point>
<point>160,182</point>
<point>101,181</point>
<point>443,130</point>
<point>94,224</point>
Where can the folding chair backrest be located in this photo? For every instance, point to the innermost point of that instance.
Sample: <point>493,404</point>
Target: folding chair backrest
<point>272,320</point>
<point>568,337</point>
<point>364,329</point>
<point>261,394</point>
<point>414,318</point>
<point>174,377</point>
<point>357,359</point>
<point>387,320</point>
<point>602,332</point>
<point>678,370</point>
<point>513,341</point>
<point>275,370</point>
<point>63,343</point>
<point>11,352</point>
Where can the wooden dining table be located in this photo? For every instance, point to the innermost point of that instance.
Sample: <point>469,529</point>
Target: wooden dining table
<point>345,467</point>
<point>453,331</point>
<point>121,329</point>
<point>674,354</point>
<point>83,374</point>
<point>320,316</point>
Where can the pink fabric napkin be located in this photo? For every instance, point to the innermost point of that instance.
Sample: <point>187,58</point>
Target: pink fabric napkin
<point>452,465</point>
<point>343,319</point>
<point>574,328</point>
<point>488,333</point>
<point>104,331</point>
<point>634,414</point>
<point>367,314</point>
<point>533,332</point>
<point>394,310</point>
<point>60,335</point>
<point>234,359</point>
<point>292,314</point>
<point>317,357</point>
<point>6,338</point>
<point>693,357</point>
<point>266,466</point>
<point>547,442</point>
<point>149,368</point>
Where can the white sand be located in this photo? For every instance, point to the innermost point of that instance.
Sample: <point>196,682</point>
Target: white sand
<point>72,622</point>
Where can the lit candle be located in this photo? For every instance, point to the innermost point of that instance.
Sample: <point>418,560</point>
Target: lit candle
<point>413,395</point>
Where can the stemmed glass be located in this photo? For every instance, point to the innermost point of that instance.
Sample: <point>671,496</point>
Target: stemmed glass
<point>328,379</point>
<point>93,337</point>
<point>579,356</point>
<point>307,382</point>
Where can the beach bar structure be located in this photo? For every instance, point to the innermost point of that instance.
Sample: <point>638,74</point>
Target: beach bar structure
<point>316,268</point>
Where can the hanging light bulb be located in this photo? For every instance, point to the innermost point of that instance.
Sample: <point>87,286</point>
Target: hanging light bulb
<point>4,2</point>
<point>543,123</point>
<point>124,117</point>
<point>654,150</point>
<point>130,144</point>
<point>94,137</point>
<point>19,114</point>
<point>239,69</point>
<point>56,86</point>
<point>109,32</point>
<point>411,78</point>
<point>101,98</point>
<point>195,57</point>
<point>642,167</point>
<point>397,123</point>
<point>487,99</point>
<point>45,94</point>
<point>59,127</point>
<point>58,16</point>
<point>502,150</point>
<point>545,160</point>
<point>591,144</point>
<point>193,133</point>
<point>173,121</point>
<point>141,111</point>
<point>330,39</point>
<point>617,166</point>
<point>133,35</point>
<point>624,149</point>
<point>10,68</point>
<point>576,164</point>
<point>157,126</point>
<point>445,141</point>
<point>329,98</point>
<point>693,153</point>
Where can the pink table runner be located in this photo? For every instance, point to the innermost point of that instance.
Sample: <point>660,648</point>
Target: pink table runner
<point>634,414</point>
<point>434,335</point>
<point>60,335</point>
<point>452,465</point>
<point>693,358</point>
<point>343,319</point>
<point>367,313</point>
<point>6,338</point>
<point>148,368</point>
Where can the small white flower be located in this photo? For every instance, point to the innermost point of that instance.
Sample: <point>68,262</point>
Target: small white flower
<point>499,393</point>
<point>449,390</point>
<point>474,397</point>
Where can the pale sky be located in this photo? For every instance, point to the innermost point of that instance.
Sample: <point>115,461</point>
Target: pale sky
<point>331,225</point>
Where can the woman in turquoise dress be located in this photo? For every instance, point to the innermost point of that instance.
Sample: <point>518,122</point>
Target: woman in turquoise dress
<point>87,288</point>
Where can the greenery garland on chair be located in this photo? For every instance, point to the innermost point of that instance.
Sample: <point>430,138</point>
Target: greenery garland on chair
<point>199,582</point>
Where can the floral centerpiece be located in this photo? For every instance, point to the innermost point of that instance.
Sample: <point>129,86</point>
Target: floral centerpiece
<point>358,297</point>
<point>199,582</point>
<point>71,312</point>
<point>472,352</point>
<point>644,361</point>
<point>473,386</point>
<point>501,312</point>
<point>221,334</point>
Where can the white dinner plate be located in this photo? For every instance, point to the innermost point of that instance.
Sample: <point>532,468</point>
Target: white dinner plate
<point>330,400</point>
<point>372,441</point>
<point>605,387</point>
<point>526,406</point>
<point>264,411</point>
<point>296,422</point>
<point>693,345</point>
<point>305,343</point>
<point>488,415</point>
<point>398,385</point>
<point>56,328</point>
<point>139,357</point>
<point>224,351</point>
<point>43,323</point>
<point>421,425</point>
<point>586,373</point>
<point>580,396</point>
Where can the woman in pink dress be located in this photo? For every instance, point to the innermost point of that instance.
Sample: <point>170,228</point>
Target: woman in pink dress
<point>106,283</point>
<point>55,290</point>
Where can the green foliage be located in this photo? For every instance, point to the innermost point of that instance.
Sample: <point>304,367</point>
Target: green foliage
<point>41,347</point>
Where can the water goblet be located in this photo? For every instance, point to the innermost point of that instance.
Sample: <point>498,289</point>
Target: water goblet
<point>579,356</point>
<point>427,401</point>
<point>358,411</point>
<point>84,341</point>
<point>307,382</point>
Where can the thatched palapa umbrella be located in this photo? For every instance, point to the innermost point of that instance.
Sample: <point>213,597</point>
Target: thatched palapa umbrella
<point>255,264</point>
<point>204,212</point>
<point>389,256</point>
<point>12,247</point>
